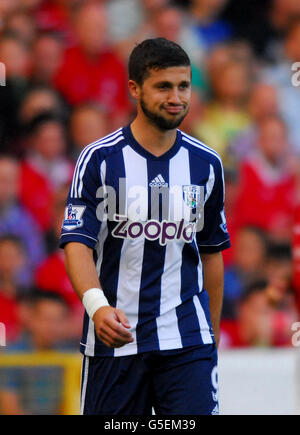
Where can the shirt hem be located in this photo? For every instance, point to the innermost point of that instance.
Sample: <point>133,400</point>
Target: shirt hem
<point>147,347</point>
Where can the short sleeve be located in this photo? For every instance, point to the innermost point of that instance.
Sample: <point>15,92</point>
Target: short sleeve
<point>214,236</point>
<point>80,223</point>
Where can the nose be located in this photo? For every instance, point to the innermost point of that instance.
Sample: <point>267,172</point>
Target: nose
<point>174,97</point>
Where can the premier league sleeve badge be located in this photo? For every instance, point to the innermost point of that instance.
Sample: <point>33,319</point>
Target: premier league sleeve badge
<point>73,217</point>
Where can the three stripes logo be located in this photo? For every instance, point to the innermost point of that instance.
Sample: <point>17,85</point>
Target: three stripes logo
<point>158,182</point>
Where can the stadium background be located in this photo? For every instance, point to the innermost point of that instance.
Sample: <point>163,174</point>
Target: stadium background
<point>63,85</point>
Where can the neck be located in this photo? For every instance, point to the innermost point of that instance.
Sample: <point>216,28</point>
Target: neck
<point>154,140</point>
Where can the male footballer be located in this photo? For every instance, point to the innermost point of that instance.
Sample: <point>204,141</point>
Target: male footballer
<point>143,233</point>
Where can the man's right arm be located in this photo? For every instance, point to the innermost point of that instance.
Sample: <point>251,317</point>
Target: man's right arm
<point>111,323</point>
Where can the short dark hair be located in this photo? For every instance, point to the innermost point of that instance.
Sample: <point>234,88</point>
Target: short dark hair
<point>37,295</point>
<point>7,237</point>
<point>253,287</point>
<point>279,252</point>
<point>156,53</point>
<point>42,119</point>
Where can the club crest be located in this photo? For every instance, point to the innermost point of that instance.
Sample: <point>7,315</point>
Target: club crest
<point>191,195</point>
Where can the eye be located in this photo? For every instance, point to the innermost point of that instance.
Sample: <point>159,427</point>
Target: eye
<point>184,86</point>
<point>163,86</point>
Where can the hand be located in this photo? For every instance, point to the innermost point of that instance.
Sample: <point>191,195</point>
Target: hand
<point>112,326</point>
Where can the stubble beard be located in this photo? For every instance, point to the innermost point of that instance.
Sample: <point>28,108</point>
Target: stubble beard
<point>160,121</point>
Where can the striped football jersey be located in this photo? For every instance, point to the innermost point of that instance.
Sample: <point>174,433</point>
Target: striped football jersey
<point>148,219</point>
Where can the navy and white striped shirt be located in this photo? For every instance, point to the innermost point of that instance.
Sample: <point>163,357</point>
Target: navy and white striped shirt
<point>148,218</point>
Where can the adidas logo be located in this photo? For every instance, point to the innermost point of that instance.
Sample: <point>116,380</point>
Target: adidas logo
<point>158,182</point>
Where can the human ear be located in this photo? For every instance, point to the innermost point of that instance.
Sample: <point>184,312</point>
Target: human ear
<point>134,89</point>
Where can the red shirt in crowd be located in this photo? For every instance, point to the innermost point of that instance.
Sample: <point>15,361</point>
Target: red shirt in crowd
<point>266,198</point>
<point>54,17</point>
<point>37,187</point>
<point>36,195</point>
<point>51,275</point>
<point>101,80</point>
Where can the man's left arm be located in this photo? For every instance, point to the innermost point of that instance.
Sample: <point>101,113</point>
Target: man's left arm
<point>213,272</point>
<point>212,240</point>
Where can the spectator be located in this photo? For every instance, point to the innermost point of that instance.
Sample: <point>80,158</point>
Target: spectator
<point>208,26</point>
<point>39,99</point>
<point>268,184</point>
<point>135,26</point>
<point>45,167</point>
<point>251,23</point>
<point>12,265</point>
<point>225,115</point>
<point>88,123</point>
<point>7,7</point>
<point>279,274</point>
<point>122,31</point>
<point>12,262</point>
<point>36,390</point>
<point>263,102</point>
<point>29,5</point>
<point>224,53</point>
<point>253,326</point>
<point>55,16</point>
<point>91,71</point>
<point>151,5</point>
<point>262,23</point>
<point>47,53</point>
<point>219,56</point>
<point>279,294</point>
<point>260,322</point>
<point>21,24</point>
<point>280,76</point>
<point>280,15</point>
<point>195,113</point>
<point>248,265</point>
<point>168,22</point>
<point>15,220</point>
<point>14,54</point>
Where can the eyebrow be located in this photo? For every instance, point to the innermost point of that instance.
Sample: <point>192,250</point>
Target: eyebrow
<point>170,84</point>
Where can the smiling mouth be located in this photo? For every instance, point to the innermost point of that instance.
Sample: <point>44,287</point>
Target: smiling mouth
<point>174,109</point>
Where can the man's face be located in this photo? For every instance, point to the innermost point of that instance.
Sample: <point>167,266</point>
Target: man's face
<point>164,97</point>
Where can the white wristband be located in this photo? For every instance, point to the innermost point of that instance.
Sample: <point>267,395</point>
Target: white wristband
<point>93,299</point>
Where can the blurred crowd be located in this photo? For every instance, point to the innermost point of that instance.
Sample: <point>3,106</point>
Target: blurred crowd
<point>66,86</point>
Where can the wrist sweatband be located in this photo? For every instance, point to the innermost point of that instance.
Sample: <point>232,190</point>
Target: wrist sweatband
<point>93,299</point>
